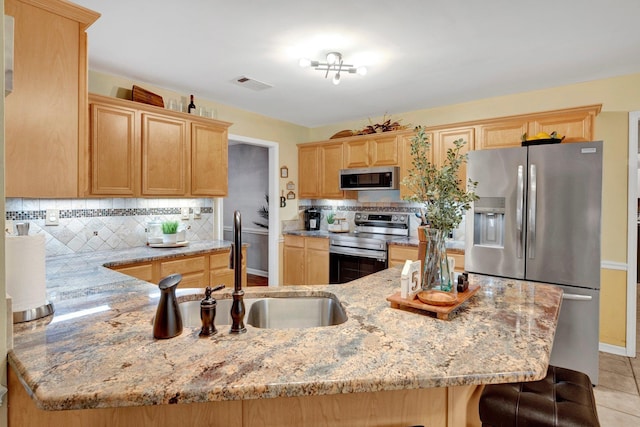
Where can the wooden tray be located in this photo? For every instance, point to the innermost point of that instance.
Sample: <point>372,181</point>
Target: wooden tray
<point>139,94</point>
<point>442,311</point>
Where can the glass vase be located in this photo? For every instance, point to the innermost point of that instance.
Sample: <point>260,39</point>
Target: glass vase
<point>433,256</point>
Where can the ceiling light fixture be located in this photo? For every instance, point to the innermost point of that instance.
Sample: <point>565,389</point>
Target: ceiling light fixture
<point>334,63</point>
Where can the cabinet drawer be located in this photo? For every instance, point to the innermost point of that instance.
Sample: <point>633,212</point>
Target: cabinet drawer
<point>317,243</point>
<point>221,277</point>
<point>140,271</point>
<point>402,253</point>
<point>194,280</point>
<point>297,241</point>
<point>183,266</point>
<point>219,260</point>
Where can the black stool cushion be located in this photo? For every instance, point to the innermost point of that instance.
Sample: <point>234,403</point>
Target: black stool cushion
<point>564,398</point>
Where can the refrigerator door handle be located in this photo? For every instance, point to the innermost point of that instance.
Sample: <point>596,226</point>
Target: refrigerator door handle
<point>520,212</point>
<point>574,297</point>
<point>531,232</point>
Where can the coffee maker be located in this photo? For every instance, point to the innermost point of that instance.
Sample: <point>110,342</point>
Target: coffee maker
<point>312,219</point>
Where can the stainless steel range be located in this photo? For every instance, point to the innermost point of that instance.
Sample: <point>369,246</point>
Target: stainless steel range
<point>364,250</point>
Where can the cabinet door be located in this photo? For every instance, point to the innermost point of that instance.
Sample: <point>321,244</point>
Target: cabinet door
<point>356,153</point>
<point>209,161</point>
<point>142,271</point>
<point>316,261</point>
<point>576,126</point>
<point>113,151</point>
<point>47,110</point>
<point>308,168</point>
<point>406,159</point>
<point>444,140</point>
<point>501,134</point>
<point>384,151</point>
<point>330,165</point>
<point>164,156</point>
<point>293,266</point>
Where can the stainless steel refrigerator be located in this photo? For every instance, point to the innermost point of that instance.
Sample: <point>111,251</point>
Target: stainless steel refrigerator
<point>538,219</point>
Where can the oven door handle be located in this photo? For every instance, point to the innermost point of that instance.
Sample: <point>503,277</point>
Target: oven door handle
<point>344,250</point>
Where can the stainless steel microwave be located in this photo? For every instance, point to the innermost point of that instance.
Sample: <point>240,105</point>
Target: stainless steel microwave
<point>380,178</point>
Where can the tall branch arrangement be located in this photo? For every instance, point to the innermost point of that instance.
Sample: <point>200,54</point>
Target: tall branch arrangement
<point>440,189</point>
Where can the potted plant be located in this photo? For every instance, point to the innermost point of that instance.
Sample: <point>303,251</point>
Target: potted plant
<point>445,200</point>
<point>169,231</point>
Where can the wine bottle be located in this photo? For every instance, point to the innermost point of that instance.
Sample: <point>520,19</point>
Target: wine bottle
<point>191,109</point>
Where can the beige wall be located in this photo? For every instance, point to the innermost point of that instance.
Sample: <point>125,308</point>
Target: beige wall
<point>618,96</point>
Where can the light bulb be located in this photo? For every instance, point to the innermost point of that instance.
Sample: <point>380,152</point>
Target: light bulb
<point>336,79</point>
<point>305,62</point>
<point>361,71</point>
<point>332,57</point>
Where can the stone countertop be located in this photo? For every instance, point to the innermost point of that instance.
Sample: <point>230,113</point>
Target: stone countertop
<point>98,349</point>
<point>71,275</point>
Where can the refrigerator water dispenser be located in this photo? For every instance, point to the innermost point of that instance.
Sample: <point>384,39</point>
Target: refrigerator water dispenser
<point>489,222</point>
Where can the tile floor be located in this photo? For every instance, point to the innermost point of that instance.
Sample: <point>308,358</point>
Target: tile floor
<point>618,392</point>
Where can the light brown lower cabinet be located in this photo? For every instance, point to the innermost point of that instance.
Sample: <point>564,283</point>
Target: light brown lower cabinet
<point>435,407</point>
<point>198,271</point>
<point>306,260</point>
<point>398,254</point>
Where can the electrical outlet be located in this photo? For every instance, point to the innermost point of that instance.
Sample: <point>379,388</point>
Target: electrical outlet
<point>185,213</point>
<point>197,212</point>
<point>9,227</point>
<point>53,217</point>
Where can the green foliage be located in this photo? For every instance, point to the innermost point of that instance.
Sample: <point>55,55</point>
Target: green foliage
<point>170,227</point>
<point>331,218</point>
<point>438,188</point>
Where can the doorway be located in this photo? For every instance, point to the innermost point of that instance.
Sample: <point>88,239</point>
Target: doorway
<point>272,206</point>
<point>632,230</point>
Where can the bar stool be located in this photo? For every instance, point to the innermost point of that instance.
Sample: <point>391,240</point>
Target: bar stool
<point>564,398</point>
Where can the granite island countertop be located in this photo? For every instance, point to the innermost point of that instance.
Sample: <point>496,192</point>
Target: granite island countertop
<point>98,349</point>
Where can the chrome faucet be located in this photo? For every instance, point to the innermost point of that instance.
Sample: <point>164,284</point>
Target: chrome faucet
<point>237,307</point>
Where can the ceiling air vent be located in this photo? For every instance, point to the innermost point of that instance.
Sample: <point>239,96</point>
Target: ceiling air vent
<point>250,83</point>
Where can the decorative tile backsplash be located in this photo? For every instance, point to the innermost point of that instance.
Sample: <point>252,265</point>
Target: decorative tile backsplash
<point>88,225</point>
<point>385,201</point>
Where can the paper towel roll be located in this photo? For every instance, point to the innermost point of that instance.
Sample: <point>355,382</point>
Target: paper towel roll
<point>26,280</point>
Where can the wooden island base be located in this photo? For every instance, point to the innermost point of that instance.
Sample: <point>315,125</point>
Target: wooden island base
<point>437,407</point>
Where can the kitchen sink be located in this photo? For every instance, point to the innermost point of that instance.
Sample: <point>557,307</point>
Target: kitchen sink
<point>273,313</point>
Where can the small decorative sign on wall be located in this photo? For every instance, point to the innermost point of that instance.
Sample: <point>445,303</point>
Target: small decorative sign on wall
<point>284,172</point>
<point>291,185</point>
<point>291,195</point>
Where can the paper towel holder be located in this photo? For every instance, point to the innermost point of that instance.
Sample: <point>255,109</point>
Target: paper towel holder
<point>33,313</point>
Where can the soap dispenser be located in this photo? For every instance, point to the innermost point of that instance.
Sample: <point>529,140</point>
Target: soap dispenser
<point>168,320</point>
<point>208,312</point>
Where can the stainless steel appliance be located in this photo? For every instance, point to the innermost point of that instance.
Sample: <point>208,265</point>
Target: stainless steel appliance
<point>538,219</point>
<point>312,219</point>
<point>364,250</point>
<point>379,178</point>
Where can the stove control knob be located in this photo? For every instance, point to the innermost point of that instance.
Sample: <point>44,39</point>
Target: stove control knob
<point>401,218</point>
<point>394,218</point>
<point>358,216</point>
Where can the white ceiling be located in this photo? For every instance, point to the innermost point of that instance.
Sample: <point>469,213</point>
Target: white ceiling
<point>419,53</point>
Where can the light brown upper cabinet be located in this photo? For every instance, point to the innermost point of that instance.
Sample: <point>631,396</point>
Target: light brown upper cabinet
<point>371,150</point>
<point>575,124</point>
<point>319,171</point>
<point>443,140</point>
<point>209,175</point>
<point>114,150</point>
<point>164,156</point>
<point>46,113</point>
<point>139,150</point>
